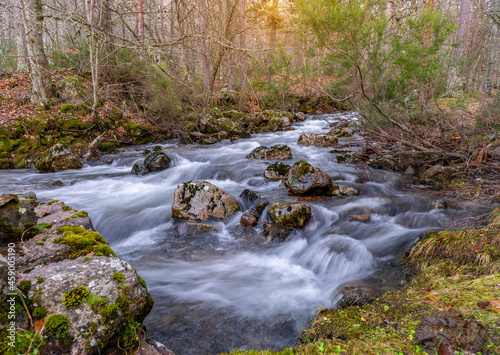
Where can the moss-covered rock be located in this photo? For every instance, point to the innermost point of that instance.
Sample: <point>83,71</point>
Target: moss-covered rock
<point>59,157</point>
<point>290,214</point>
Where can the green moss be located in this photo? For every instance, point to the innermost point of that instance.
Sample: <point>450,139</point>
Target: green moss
<point>24,286</point>
<point>67,107</point>
<point>26,342</point>
<point>118,277</point>
<point>123,302</point>
<point>129,335</point>
<point>40,243</point>
<point>75,297</point>
<point>67,208</point>
<point>96,302</point>
<point>39,280</point>
<point>305,168</point>
<point>40,312</point>
<point>109,312</point>
<point>57,326</point>
<point>80,214</point>
<point>142,282</point>
<point>82,241</point>
<point>52,202</point>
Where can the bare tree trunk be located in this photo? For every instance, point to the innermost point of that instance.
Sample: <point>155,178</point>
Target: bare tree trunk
<point>40,73</point>
<point>493,41</point>
<point>202,7</point>
<point>23,62</point>
<point>242,24</point>
<point>140,18</point>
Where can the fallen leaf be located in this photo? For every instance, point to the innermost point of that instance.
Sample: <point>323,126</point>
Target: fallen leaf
<point>446,349</point>
<point>497,310</point>
<point>433,298</point>
<point>495,304</point>
<point>38,325</point>
<point>484,305</point>
<point>426,288</point>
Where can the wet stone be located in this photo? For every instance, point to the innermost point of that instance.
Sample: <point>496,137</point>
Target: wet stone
<point>275,233</point>
<point>191,228</point>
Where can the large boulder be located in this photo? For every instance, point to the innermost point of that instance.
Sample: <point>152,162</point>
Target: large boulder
<point>305,179</point>
<point>201,201</point>
<point>290,214</point>
<point>17,216</point>
<point>317,140</point>
<point>57,158</point>
<point>278,151</point>
<point>87,302</point>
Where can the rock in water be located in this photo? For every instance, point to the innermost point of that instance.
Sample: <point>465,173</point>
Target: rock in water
<point>157,161</point>
<point>305,179</point>
<point>201,201</point>
<point>317,140</point>
<point>276,171</point>
<point>58,158</point>
<point>278,151</point>
<point>290,214</point>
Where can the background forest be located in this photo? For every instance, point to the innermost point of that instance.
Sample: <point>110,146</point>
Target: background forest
<point>421,73</point>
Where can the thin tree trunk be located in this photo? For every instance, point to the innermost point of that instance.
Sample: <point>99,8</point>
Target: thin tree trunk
<point>40,73</point>
<point>202,6</point>
<point>23,62</point>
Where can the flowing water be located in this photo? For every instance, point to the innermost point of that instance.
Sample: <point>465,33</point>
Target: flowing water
<point>225,290</point>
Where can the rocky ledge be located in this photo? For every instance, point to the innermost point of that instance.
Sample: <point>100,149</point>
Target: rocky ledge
<point>63,290</point>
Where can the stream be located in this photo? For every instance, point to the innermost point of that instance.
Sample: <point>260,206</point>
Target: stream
<point>227,290</point>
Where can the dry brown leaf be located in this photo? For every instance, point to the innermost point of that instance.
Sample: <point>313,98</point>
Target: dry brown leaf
<point>433,298</point>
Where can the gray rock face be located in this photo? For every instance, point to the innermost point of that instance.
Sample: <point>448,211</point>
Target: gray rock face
<point>290,214</point>
<point>58,158</point>
<point>317,140</point>
<point>278,151</point>
<point>123,299</point>
<point>305,179</point>
<point>17,213</point>
<point>201,201</point>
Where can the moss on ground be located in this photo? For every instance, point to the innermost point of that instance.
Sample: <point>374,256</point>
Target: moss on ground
<point>455,270</point>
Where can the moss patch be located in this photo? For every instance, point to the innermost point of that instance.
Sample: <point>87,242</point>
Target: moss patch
<point>96,302</point>
<point>118,277</point>
<point>82,241</point>
<point>57,326</point>
<point>75,297</point>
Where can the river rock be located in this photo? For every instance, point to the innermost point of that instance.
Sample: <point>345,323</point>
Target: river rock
<point>193,228</point>
<point>305,179</point>
<point>222,135</point>
<point>438,172</point>
<point>272,232</point>
<point>276,171</point>
<point>17,215</point>
<point>300,116</point>
<point>451,328</point>
<point>278,151</point>
<point>344,190</point>
<point>201,200</point>
<point>251,217</point>
<point>317,140</point>
<point>139,169</point>
<point>57,158</point>
<point>63,288</point>
<point>290,214</point>
<point>356,295</point>
<point>157,161</point>
<point>251,196</point>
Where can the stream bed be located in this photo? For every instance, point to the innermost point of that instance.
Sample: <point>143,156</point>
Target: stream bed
<point>227,290</point>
